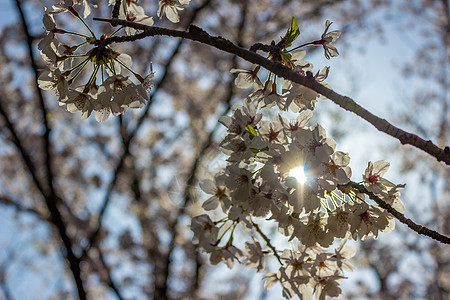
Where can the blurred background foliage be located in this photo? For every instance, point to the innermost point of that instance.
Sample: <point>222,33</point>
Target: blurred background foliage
<point>115,198</point>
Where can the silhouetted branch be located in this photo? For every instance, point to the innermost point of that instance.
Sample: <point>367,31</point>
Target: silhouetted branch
<point>46,136</point>
<point>20,147</point>
<point>127,142</point>
<point>197,34</point>
<point>399,216</point>
<point>51,198</point>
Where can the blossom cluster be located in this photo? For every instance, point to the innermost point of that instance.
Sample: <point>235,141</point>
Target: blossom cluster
<point>109,88</point>
<point>282,170</point>
<point>290,172</point>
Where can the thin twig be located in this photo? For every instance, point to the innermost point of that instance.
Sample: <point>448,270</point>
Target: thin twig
<point>269,244</point>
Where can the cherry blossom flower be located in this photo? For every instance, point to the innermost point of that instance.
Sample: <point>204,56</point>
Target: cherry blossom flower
<point>289,127</point>
<point>393,198</point>
<point>373,179</point>
<point>270,280</point>
<point>323,265</point>
<point>304,198</point>
<point>335,172</point>
<point>53,80</point>
<point>246,78</point>
<point>327,286</point>
<point>102,111</point>
<point>125,94</point>
<point>219,194</point>
<point>342,255</point>
<point>265,195</point>
<point>286,219</point>
<point>67,5</point>
<point>239,180</point>
<point>339,220</point>
<point>254,255</point>
<point>368,220</point>
<point>87,7</point>
<point>238,149</point>
<point>205,232</point>
<point>49,44</point>
<point>226,254</point>
<point>299,97</point>
<point>243,115</point>
<point>327,39</point>
<point>79,100</point>
<point>171,8</point>
<point>294,275</point>
<point>132,12</point>
<point>296,59</point>
<point>318,146</point>
<point>267,96</point>
<point>270,133</point>
<point>313,230</point>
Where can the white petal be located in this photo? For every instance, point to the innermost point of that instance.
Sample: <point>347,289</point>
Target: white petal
<point>208,186</point>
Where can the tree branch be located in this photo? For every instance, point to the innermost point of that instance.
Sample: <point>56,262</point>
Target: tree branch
<point>51,198</point>
<point>399,216</point>
<point>127,142</point>
<point>44,111</point>
<point>197,34</point>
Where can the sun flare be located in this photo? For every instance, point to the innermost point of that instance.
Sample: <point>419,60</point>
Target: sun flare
<point>298,173</point>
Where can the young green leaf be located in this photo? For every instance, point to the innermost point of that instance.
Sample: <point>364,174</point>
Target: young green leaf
<point>292,33</point>
<point>249,128</point>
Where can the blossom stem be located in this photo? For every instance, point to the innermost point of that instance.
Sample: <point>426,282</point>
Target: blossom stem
<point>82,64</point>
<point>87,26</point>
<point>325,204</point>
<point>116,31</point>
<point>333,200</point>
<point>91,80</point>
<point>111,68</point>
<point>74,33</point>
<point>223,234</point>
<point>221,220</point>
<point>129,69</point>
<point>298,47</point>
<point>79,45</point>
<point>76,56</point>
